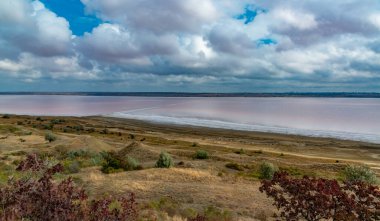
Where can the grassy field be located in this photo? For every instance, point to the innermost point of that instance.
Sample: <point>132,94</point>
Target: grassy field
<point>224,186</point>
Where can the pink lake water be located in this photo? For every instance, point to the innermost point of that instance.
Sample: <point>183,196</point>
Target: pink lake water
<point>344,118</point>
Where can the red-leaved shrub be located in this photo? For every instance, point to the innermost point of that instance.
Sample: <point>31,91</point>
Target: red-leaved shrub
<point>316,199</point>
<point>32,163</point>
<point>43,199</point>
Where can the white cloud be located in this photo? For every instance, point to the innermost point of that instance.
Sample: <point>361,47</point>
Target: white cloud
<point>159,16</point>
<point>296,19</point>
<point>375,20</point>
<point>30,27</point>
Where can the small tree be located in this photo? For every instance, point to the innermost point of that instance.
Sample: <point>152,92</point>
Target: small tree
<point>164,161</point>
<point>50,137</point>
<point>360,173</point>
<point>267,170</point>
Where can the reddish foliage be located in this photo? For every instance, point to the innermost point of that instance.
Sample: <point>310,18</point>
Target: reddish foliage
<point>100,209</point>
<point>32,162</point>
<point>316,199</point>
<point>44,200</point>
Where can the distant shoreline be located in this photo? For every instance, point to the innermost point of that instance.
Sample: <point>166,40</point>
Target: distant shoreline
<point>177,94</point>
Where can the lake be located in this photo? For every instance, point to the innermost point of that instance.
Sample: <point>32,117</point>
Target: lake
<point>344,118</point>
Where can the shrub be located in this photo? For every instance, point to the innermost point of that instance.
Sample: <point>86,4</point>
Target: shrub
<point>32,162</point>
<point>267,170</point>
<point>201,154</point>
<point>44,199</point>
<point>115,162</point>
<point>110,162</point>
<point>164,161</point>
<point>50,137</point>
<point>322,199</point>
<point>235,166</point>
<point>131,164</point>
<point>359,173</point>
<point>6,116</point>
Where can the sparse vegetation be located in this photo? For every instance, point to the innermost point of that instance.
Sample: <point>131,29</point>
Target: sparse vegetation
<point>72,167</point>
<point>235,166</point>
<point>241,151</point>
<point>164,161</point>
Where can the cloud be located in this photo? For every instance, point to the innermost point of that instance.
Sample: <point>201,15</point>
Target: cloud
<point>30,27</point>
<point>114,43</point>
<point>290,18</point>
<point>195,45</point>
<point>159,16</point>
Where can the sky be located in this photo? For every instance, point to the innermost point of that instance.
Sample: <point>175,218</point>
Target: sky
<point>190,45</point>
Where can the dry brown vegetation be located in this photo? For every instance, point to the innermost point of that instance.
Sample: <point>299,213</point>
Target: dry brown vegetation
<point>193,186</point>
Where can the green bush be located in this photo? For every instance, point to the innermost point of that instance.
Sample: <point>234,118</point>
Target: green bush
<point>50,137</point>
<point>267,170</point>
<point>354,173</point>
<point>114,162</point>
<point>164,161</point>
<point>131,164</point>
<point>201,154</point>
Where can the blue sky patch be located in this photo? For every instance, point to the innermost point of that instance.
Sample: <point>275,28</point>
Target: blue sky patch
<point>250,13</point>
<point>73,11</point>
<point>266,41</point>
